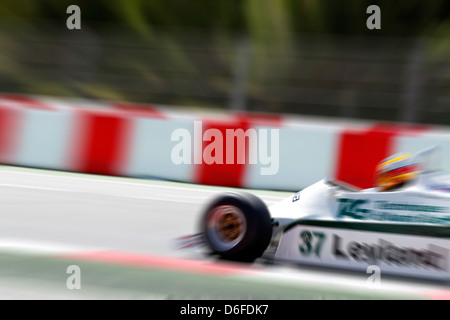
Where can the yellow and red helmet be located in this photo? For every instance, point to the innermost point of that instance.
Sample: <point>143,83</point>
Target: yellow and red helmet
<point>396,170</point>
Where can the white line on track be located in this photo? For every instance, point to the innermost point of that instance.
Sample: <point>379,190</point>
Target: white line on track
<point>33,246</point>
<point>141,189</point>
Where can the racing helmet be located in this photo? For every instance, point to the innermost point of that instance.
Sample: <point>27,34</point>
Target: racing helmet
<point>396,170</point>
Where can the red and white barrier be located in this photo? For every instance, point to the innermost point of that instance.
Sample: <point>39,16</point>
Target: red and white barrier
<point>136,140</point>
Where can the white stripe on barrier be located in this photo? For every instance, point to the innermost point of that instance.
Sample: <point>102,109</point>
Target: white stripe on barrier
<point>425,140</point>
<point>151,149</point>
<point>44,140</point>
<point>306,155</point>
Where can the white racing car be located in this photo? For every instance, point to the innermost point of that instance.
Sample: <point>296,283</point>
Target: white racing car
<point>402,225</point>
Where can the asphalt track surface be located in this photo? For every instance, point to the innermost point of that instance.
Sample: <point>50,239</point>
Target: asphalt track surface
<point>122,232</point>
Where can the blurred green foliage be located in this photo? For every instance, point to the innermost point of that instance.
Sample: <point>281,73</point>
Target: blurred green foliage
<point>186,52</point>
<point>399,18</point>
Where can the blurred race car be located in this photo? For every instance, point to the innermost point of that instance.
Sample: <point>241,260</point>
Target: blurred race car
<point>402,225</point>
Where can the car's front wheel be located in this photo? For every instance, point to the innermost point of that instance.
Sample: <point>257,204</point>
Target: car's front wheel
<point>237,226</point>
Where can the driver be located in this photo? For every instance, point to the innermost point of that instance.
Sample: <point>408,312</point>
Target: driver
<point>394,172</point>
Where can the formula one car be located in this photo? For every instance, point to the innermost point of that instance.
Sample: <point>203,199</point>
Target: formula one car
<point>402,225</point>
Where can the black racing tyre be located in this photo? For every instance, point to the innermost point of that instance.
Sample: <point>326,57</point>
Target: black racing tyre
<point>237,226</point>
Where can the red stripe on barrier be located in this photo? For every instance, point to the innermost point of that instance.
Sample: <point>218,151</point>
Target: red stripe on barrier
<point>361,150</point>
<point>229,174</point>
<point>27,102</point>
<point>100,143</point>
<point>139,110</point>
<point>10,124</point>
<point>259,119</point>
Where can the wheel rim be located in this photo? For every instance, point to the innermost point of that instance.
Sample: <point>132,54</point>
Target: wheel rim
<point>226,227</point>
